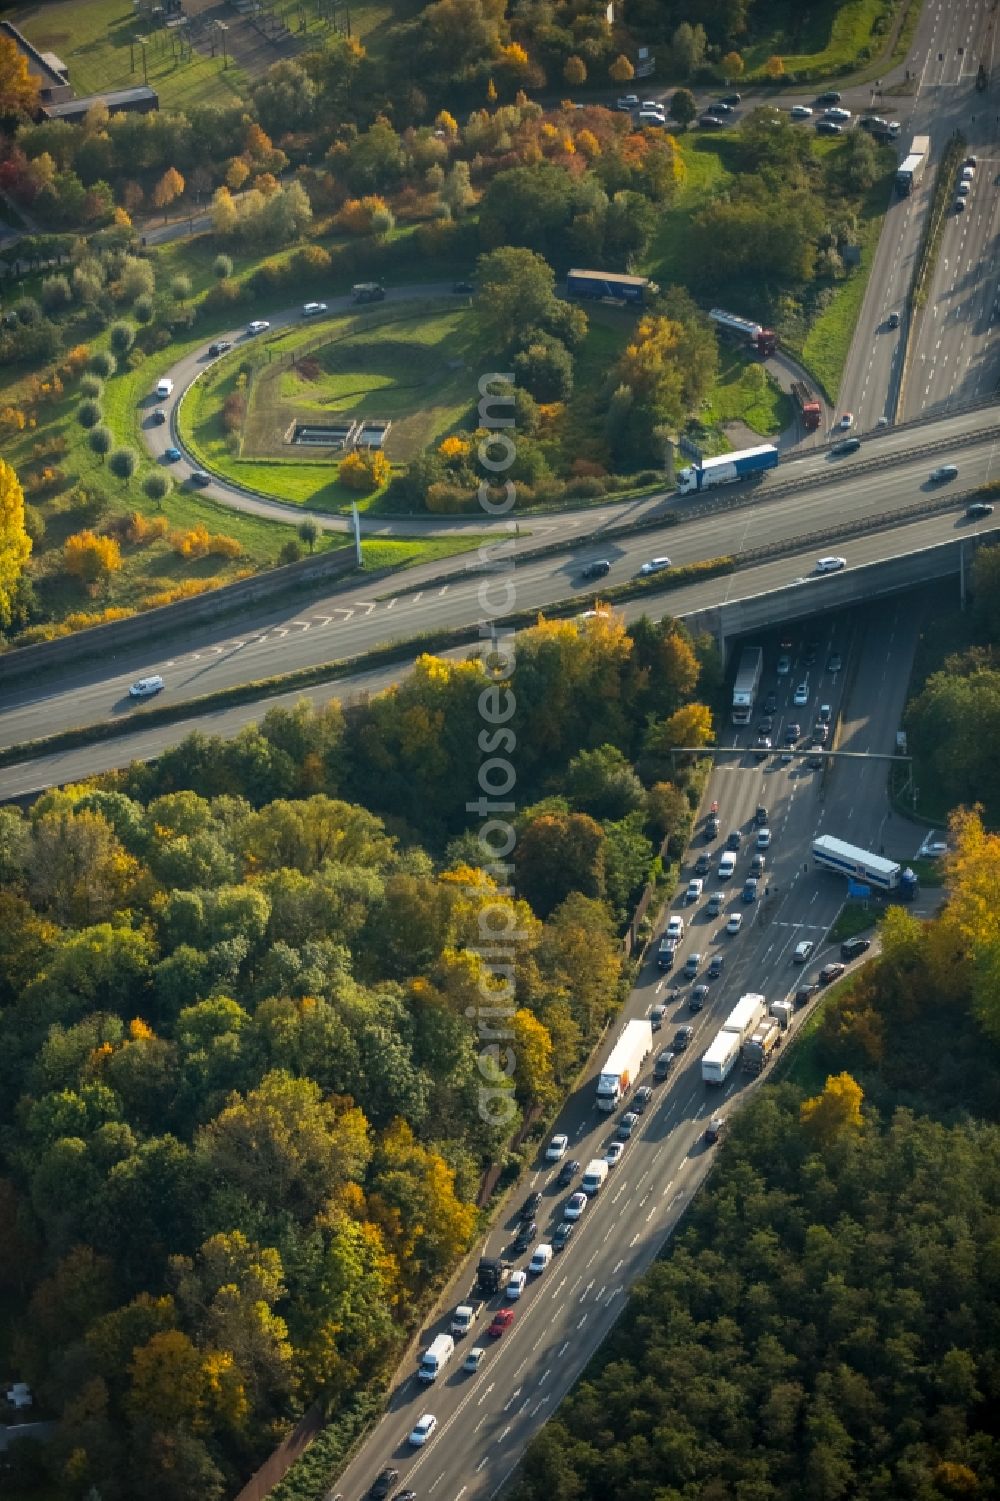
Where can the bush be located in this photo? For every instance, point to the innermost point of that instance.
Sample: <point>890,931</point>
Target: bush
<point>142,309</point>
<point>449,500</point>
<point>121,338</point>
<point>56,294</point>
<point>222,267</point>
<point>180,287</point>
<point>586,487</point>
<point>234,412</point>
<point>88,413</point>
<point>100,441</point>
<point>364,470</point>
<point>91,558</point>
<point>122,463</point>
<point>290,552</point>
<point>157,485</point>
<point>103,363</point>
<point>224,296</point>
<point>92,386</point>
<point>34,525</point>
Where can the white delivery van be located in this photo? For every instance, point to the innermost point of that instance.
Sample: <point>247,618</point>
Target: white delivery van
<point>594,1177</point>
<point>727,866</point>
<point>436,1357</point>
<point>164,387</point>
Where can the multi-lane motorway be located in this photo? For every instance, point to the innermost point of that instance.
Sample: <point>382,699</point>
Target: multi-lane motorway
<point>355,620</point>
<point>486,1419</point>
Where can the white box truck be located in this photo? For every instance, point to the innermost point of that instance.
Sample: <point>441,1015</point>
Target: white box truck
<point>594,1177</point>
<point>720,1059</point>
<point>746,1016</point>
<point>624,1062</point>
<point>436,1357</point>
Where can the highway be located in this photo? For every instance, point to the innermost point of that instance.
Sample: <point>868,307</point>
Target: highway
<point>485,1420</point>
<point>352,621</point>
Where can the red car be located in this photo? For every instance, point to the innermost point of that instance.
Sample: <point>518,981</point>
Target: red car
<point>502,1320</point>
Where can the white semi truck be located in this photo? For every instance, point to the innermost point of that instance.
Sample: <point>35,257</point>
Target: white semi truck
<point>746,684</point>
<point>723,1052</point>
<point>623,1064</point>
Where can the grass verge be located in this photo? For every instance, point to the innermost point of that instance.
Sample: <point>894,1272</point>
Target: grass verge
<point>833,38</point>
<point>745,392</point>
<point>937,218</point>
<point>852,919</point>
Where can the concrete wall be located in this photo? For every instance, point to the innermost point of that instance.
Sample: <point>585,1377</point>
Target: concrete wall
<point>156,625</point>
<point>855,586</point>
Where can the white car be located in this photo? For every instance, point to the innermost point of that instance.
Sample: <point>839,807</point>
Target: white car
<point>784,666</point>
<point>801,695</point>
<point>800,112</point>
<point>763,838</point>
<point>846,421</point>
<point>836,112</point>
<point>575,1205</point>
<point>968,172</point>
<point>425,1426</point>
<point>541,1259</point>
<point>146,687</point>
<point>556,1148</point>
<point>695,888</point>
<point>474,1359</point>
<point>675,927</point>
<point>830,565</point>
<point>653,104</point>
<point>312,308</point>
<point>735,923</point>
<point>655,565</point>
<point>516,1285</point>
<point>803,950</point>
<point>258,326</point>
<point>964,189</point>
<point>614,1153</point>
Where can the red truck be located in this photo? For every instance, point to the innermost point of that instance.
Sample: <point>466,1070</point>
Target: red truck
<point>809,408</point>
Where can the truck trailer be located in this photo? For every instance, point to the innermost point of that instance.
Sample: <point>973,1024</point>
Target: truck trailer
<point>746,683</point>
<point>624,1062</point>
<point>809,408</point>
<point>759,1047</point>
<point>719,1060</point>
<point>859,864</point>
<point>728,469</point>
<point>492,1275</point>
<point>608,284</point>
<point>763,341</point>
<point>912,169</point>
<point>746,1016</point>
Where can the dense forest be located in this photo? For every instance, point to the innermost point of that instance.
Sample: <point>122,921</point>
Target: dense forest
<point>827,1322</point>
<point>242,1121</point>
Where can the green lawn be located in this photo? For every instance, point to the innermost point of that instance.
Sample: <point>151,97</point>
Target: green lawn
<point>412,368</point>
<point>406,552</point>
<point>92,39</point>
<point>826,345</point>
<point>745,392</point>
<point>707,173</point>
<point>831,37</point>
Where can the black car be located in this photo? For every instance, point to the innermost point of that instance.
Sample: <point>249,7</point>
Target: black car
<point>712,827</point>
<point>805,993</point>
<point>158,417</point>
<point>641,1099</point>
<point>384,1483</point>
<point>720,107</point>
<point>735,840</point>
<point>561,1235</point>
<point>760,817</point>
<point>698,997</point>
<point>835,662</point>
<point>682,1037</point>
<point>715,967</point>
<point>829,128</point>
<point>200,477</point>
<point>771,703</point>
<point>829,973</point>
<point>219,347</point>
<point>703,864</point>
<point>852,948</point>
<point>893,320</point>
<point>792,732</point>
<point>830,97</point>
<point>401,1496</point>
<point>530,1206</point>
<point>664,1063</point>
<point>464,288</point>
<point>525,1235</point>
<point>597,570</point>
<point>732,100</point>
<point>979,508</point>
<point>567,1173</point>
<point>846,446</point>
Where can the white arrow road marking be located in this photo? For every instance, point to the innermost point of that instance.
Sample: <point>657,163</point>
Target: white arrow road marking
<point>586,1290</point>
<point>539,1406</point>
<point>512,1399</point>
<point>391,605</point>
<point>364,605</point>
<point>482,1463</point>
<point>563,1350</point>
<point>544,1376</point>
<point>633,1242</point>
<point>486,1393</point>
<point>618,1266</point>
<point>322,619</point>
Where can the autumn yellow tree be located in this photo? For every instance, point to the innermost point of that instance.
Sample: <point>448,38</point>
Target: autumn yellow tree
<point>774,67</point>
<point>15,544</point>
<point>836,1112</point>
<point>169,188</point>
<point>533,1077</point>
<point>364,470</point>
<point>225,216</point>
<point>621,70</point>
<point>732,65</point>
<point>689,726</point>
<point>18,88</point>
<point>91,558</point>
<point>237,173</point>
<point>575,71</point>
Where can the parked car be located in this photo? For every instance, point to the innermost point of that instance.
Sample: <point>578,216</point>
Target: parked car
<point>805,993</point>
<point>831,972</point>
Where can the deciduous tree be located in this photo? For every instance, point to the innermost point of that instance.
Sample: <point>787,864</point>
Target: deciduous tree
<point>15,544</point>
